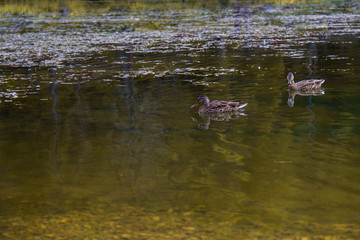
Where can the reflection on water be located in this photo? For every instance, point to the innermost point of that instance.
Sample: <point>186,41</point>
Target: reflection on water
<point>292,94</point>
<point>102,145</point>
<point>97,147</point>
<point>205,119</point>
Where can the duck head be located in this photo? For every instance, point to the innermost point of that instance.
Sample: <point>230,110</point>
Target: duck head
<point>201,99</point>
<point>290,78</point>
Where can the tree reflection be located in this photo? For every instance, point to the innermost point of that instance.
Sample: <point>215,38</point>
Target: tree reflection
<point>54,93</point>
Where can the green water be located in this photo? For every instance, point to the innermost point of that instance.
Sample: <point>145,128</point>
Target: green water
<point>103,144</point>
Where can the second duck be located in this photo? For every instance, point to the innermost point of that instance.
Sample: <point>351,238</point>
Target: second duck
<point>303,85</point>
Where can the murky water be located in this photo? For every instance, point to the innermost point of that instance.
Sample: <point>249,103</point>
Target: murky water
<point>98,139</point>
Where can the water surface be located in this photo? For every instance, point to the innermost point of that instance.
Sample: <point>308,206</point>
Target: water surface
<point>98,140</point>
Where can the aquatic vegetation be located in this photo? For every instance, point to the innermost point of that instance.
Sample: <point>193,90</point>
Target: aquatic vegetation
<point>48,41</point>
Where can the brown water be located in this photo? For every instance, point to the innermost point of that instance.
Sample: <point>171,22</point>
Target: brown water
<point>103,144</point>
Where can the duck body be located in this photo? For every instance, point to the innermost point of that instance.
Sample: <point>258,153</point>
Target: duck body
<point>304,85</point>
<point>216,106</point>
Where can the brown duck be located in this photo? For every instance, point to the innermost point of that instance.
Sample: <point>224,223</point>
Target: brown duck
<point>304,85</point>
<point>216,106</point>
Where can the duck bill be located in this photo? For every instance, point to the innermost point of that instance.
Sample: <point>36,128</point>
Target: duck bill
<point>195,104</point>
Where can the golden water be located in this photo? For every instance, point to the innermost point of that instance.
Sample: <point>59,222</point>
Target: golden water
<point>106,146</point>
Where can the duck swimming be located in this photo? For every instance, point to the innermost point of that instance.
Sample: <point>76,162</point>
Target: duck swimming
<point>303,85</point>
<point>216,106</point>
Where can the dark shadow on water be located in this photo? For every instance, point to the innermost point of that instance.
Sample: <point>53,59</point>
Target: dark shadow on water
<point>312,59</point>
<point>54,93</point>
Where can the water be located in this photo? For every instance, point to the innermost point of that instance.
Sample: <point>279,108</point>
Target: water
<point>104,144</point>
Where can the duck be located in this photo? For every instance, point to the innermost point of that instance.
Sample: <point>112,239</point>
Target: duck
<point>216,106</point>
<point>304,85</point>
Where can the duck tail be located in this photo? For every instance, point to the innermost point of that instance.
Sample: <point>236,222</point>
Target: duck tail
<point>242,105</point>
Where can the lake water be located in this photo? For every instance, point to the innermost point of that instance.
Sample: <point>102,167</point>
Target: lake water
<point>98,140</point>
